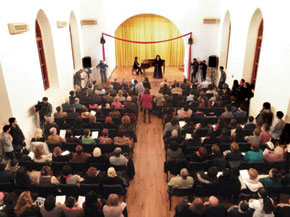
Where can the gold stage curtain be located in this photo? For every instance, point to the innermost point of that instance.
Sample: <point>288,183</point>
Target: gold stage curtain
<point>149,27</point>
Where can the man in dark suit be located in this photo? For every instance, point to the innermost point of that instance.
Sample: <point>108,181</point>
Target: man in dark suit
<point>78,78</point>
<point>214,208</point>
<point>16,132</point>
<point>195,66</point>
<point>116,84</point>
<point>203,67</point>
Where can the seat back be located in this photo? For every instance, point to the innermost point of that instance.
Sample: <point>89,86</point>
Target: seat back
<point>85,188</point>
<point>113,189</point>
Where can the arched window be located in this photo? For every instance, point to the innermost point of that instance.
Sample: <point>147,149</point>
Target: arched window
<point>257,54</point>
<point>228,46</point>
<point>41,54</point>
<point>72,46</point>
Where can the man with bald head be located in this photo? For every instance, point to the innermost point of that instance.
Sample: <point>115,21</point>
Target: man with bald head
<point>181,181</point>
<point>214,208</point>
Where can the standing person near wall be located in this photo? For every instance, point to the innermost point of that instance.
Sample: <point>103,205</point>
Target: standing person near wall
<point>16,133</point>
<point>203,68</point>
<point>78,78</point>
<point>6,143</point>
<point>45,109</point>
<point>223,78</point>
<point>195,66</point>
<point>103,69</point>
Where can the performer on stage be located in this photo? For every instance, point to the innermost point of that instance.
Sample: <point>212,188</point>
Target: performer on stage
<point>136,66</point>
<point>103,68</point>
<point>158,69</point>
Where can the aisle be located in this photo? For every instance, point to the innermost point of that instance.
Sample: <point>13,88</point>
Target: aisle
<point>147,194</point>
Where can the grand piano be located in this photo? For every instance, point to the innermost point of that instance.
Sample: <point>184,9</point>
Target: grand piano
<point>147,63</point>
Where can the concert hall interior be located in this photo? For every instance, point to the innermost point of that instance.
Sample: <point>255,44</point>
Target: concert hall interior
<point>45,44</point>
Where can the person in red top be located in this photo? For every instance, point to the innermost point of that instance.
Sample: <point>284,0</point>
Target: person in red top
<point>146,103</point>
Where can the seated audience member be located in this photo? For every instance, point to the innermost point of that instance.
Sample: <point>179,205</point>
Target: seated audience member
<point>283,209</point>
<point>251,183</point>
<point>264,135</point>
<point>80,156</point>
<point>214,208</point>
<point>5,175</point>
<point>113,207</point>
<point>120,96</point>
<point>59,113</point>
<point>117,103</point>
<point>255,154</point>
<point>184,112</point>
<point>242,210</point>
<point>228,183</point>
<point>114,113</point>
<point>72,208</point>
<point>70,138</point>
<point>123,139</point>
<point>254,138</point>
<point>39,155</point>
<point>77,104</point>
<point>216,157</point>
<point>25,206</point>
<point>38,136</point>
<point>58,157</point>
<point>238,135</point>
<point>176,89</point>
<point>234,157</point>
<point>118,159</point>
<point>93,205</point>
<point>194,209</point>
<point>105,139</point>
<point>174,152</point>
<point>92,176</point>
<point>173,124</point>
<point>109,124</point>
<point>199,156</point>
<point>273,180</point>
<point>112,178</point>
<point>49,123</point>
<point>264,205</point>
<point>205,83</point>
<point>71,97</point>
<point>130,106</point>
<point>51,208</point>
<point>182,181</point>
<point>67,176</point>
<point>272,154</point>
<point>224,136</point>
<point>126,123</point>
<point>208,178</point>
<point>198,114</point>
<point>53,138</point>
<point>46,176</point>
<point>98,157</point>
<point>22,179</point>
<point>85,113</point>
<point>277,126</point>
<point>228,113</point>
<point>66,106</point>
<point>87,139</point>
<point>265,116</point>
<point>173,138</point>
<point>250,124</point>
<point>240,113</point>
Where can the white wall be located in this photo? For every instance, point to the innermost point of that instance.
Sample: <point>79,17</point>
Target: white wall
<point>187,15</point>
<point>20,62</point>
<point>273,74</point>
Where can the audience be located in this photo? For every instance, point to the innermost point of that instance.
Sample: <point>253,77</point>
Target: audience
<point>183,180</point>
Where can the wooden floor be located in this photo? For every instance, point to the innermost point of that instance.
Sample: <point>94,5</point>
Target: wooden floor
<point>147,194</point>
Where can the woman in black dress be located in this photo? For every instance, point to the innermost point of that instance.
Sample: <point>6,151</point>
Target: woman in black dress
<point>158,69</point>
<point>136,66</point>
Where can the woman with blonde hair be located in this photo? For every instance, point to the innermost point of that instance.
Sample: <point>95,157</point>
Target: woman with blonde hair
<point>112,178</point>
<point>38,136</point>
<point>113,208</point>
<point>24,206</point>
<point>126,123</point>
<point>250,183</point>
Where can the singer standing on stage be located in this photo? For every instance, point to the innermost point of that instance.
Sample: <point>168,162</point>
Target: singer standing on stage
<point>158,69</point>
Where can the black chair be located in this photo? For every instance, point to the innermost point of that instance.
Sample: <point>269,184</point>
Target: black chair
<point>260,166</point>
<point>77,166</point>
<point>125,148</point>
<point>169,167</point>
<point>69,190</point>
<point>113,189</point>
<point>179,193</point>
<point>194,167</point>
<point>100,166</point>
<point>6,187</point>
<point>106,148</point>
<point>275,193</point>
<point>120,168</point>
<point>85,188</point>
<point>46,190</point>
<point>89,148</point>
<point>204,190</point>
<point>57,166</point>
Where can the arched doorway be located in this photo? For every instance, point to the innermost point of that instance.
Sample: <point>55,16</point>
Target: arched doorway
<point>225,43</point>
<point>253,47</point>
<point>149,27</point>
<point>75,43</point>
<point>46,51</point>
